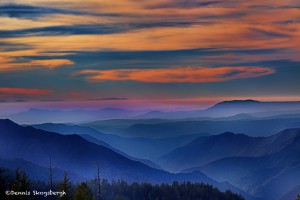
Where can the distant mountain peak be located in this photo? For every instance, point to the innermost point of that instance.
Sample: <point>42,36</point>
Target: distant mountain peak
<point>236,103</point>
<point>227,134</point>
<point>231,135</point>
<point>239,101</point>
<point>113,109</point>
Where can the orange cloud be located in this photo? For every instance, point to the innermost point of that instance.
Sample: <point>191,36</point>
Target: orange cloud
<point>7,23</point>
<point>24,91</point>
<point>7,63</point>
<point>54,63</point>
<point>177,75</point>
<point>234,35</point>
<point>231,25</point>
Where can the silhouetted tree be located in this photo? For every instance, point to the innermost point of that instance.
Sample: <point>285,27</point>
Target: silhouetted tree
<point>118,197</point>
<point>3,184</point>
<point>25,182</point>
<point>298,197</point>
<point>83,192</point>
<point>50,174</point>
<point>21,183</point>
<point>98,181</point>
<point>175,191</point>
<point>16,183</point>
<point>66,186</point>
<point>50,177</point>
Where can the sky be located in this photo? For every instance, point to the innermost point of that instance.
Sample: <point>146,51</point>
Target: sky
<point>165,51</point>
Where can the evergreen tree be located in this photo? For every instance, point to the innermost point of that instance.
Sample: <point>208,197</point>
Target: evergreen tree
<point>3,183</point>
<point>24,182</point>
<point>66,186</point>
<point>98,181</point>
<point>50,177</point>
<point>120,190</point>
<point>83,192</point>
<point>16,183</point>
<point>21,183</point>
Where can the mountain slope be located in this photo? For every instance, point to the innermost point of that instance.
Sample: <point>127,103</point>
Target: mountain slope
<point>74,154</point>
<point>207,149</point>
<point>255,127</point>
<point>98,142</point>
<point>270,170</point>
<point>269,177</point>
<point>137,147</point>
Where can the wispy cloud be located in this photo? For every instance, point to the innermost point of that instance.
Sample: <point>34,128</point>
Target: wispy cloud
<point>177,75</point>
<point>182,4</point>
<point>24,91</point>
<point>89,29</point>
<point>53,63</point>
<point>181,25</point>
<point>233,36</point>
<point>26,11</point>
<point>9,64</point>
<point>32,12</point>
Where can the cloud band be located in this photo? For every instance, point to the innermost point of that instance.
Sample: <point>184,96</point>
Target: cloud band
<point>177,75</point>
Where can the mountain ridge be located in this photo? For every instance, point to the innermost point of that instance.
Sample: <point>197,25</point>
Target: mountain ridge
<point>145,148</point>
<point>228,144</point>
<point>37,146</point>
<point>272,162</point>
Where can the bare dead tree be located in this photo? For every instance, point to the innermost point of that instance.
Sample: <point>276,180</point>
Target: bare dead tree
<point>98,181</point>
<point>51,177</point>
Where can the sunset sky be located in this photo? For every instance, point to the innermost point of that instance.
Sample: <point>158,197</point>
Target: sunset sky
<point>157,50</point>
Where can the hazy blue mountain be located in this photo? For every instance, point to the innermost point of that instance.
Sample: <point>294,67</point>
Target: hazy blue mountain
<point>255,127</point>
<point>275,114</point>
<point>261,116</point>
<point>283,116</point>
<point>172,114</point>
<point>74,154</point>
<point>270,176</point>
<point>144,161</point>
<point>225,109</point>
<point>163,130</point>
<point>160,128</point>
<point>267,167</point>
<point>137,147</point>
<point>207,149</point>
<point>229,108</point>
<point>37,116</point>
<point>241,116</point>
<point>204,150</point>
<point>77,155</point>
<point>115,126</point>
<point>222,109</point>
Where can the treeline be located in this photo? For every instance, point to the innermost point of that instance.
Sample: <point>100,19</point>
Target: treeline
<point>175,191</point>
<point>118,190</point>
